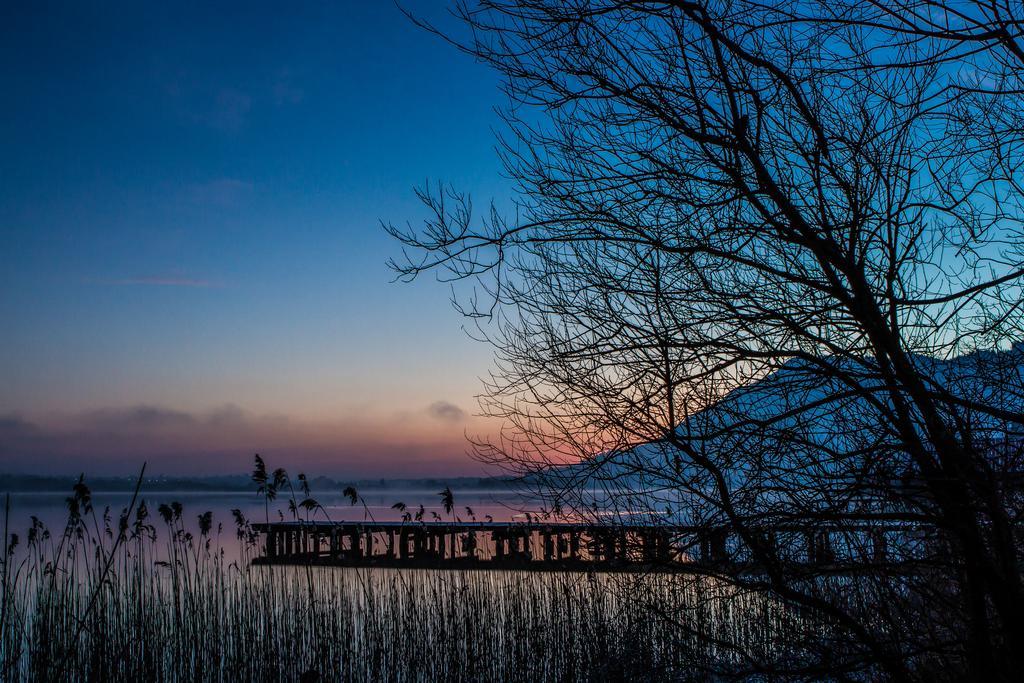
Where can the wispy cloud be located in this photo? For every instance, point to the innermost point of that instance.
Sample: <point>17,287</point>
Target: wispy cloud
<point>159,281</point>
<point>172,279</point>
<point>446,412</point>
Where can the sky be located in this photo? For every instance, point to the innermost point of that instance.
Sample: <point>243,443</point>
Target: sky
<point>192,267</point>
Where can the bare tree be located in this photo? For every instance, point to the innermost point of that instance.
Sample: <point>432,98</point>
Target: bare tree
<point>765,275</point>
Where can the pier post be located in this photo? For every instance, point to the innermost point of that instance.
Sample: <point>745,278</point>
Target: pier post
<point>712,544</point>
<point>419,542</point>
<point>595,545</point>
<point>609,546</point>
<point>403,544</point>
<point>525,537</point>
<point>647,546</point>
<point>499,545</point>
<point>663,552</point>
<point>718,541</point>
<point>353,536</point>
<point>819,547</point>
<point>271,542</point>
<point>335,545</point>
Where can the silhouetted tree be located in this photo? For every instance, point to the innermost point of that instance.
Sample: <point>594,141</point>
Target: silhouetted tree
<point>765,272</point>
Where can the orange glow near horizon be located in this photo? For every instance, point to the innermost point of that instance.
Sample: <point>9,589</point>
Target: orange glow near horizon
<point>429,442</point>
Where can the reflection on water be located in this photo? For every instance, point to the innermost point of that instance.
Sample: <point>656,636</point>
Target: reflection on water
<point>363,625</point>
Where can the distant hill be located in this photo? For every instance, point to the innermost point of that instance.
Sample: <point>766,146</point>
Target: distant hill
<point>799,411</point>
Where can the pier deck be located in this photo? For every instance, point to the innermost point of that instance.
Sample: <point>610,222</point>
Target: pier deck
<point>465,545</point>
<point>555,546</point>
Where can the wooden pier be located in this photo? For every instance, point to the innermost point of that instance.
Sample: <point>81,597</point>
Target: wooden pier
<point>465,545</point>
<point>556,546</point>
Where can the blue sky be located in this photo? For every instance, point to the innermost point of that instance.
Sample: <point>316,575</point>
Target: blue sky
<point>189,227</point>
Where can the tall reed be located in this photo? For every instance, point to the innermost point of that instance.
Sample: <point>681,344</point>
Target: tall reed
<point>109,599</point>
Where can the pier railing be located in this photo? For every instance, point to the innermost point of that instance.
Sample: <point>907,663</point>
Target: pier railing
<point>570,545</point>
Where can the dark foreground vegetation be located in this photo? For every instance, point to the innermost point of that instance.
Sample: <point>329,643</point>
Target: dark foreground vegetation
<point>172,596</point>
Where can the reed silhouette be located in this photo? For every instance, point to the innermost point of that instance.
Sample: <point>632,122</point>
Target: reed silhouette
<point>126,596</point>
